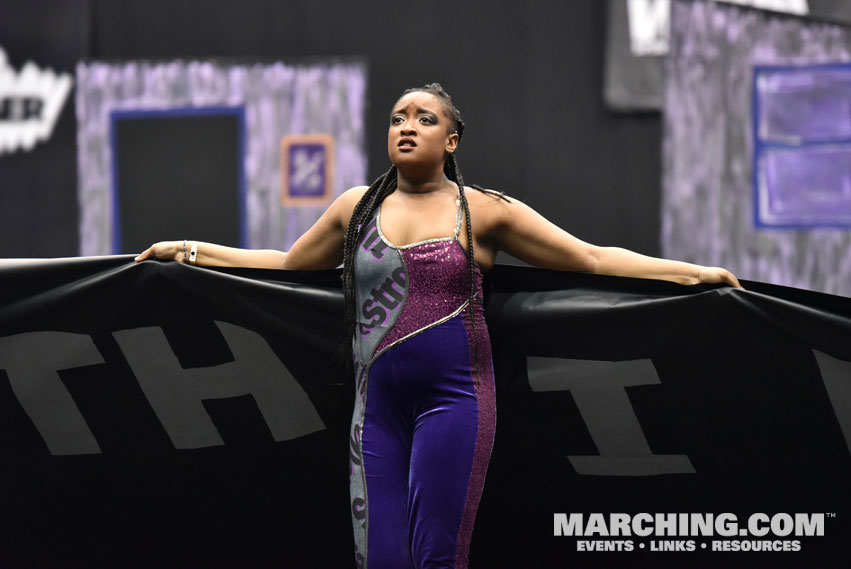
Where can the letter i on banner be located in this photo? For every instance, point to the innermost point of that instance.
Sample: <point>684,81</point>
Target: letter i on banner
<point>598,389</point>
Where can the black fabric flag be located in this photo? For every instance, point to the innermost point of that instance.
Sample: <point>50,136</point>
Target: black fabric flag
<point>164,415</point>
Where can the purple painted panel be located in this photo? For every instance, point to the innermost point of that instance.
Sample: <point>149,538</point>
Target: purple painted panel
<point>710,171</point>
<point>280,100</point>
<point>307,170</point>
<point>805,186</point>
<point>802,145</point>
<point>806,103</point>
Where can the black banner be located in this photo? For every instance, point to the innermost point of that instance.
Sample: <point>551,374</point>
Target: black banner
<point>163,415</point>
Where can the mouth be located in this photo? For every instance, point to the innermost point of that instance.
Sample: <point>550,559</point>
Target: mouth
<point>406,143</point>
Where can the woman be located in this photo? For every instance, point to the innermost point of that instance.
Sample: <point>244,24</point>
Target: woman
<point>424,418</point>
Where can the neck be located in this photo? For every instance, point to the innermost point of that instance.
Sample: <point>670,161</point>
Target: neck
<point>421,183</point>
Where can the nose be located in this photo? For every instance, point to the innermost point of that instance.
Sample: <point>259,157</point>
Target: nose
<point>408,127</point>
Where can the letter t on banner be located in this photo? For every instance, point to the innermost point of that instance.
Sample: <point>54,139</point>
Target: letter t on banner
<point>33,361</point>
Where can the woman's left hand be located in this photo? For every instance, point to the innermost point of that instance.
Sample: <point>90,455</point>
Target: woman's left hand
<point>717,275</point>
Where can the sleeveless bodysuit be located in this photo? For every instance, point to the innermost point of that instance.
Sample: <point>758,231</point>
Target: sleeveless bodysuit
<point>424,418</point>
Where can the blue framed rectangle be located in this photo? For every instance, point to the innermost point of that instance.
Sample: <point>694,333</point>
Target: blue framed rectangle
<point>802,146</point>
<point>192,208</point>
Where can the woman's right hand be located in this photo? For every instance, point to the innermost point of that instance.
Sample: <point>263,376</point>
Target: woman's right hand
<point>163,250</point>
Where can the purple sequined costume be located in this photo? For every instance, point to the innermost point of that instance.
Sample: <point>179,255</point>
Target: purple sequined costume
<point>424,417</point>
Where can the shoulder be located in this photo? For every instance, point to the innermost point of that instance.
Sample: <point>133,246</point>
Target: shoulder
<point>347,201</point>
<point>487,196</point>
<point>490,212</point>
<point>353,195</point>
<point>490,204</point>
<point>345,204</point>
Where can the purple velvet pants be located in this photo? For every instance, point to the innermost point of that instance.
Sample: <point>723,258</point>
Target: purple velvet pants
<point>427,437</point>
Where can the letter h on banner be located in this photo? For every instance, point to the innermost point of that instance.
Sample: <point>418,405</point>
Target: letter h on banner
<point>177,394</point>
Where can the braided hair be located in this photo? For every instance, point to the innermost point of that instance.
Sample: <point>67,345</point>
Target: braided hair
<point>382,187</point>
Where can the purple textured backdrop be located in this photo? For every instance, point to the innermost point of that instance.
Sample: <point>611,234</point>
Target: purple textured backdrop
<point>279,99</point>
<point>707,191</point>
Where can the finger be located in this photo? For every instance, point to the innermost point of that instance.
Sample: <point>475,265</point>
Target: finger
<point>733,281</point>
<point>144,254</point>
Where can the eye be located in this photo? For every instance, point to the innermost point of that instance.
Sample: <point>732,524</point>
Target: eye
<point>396,119</point>
<point>427,119</point>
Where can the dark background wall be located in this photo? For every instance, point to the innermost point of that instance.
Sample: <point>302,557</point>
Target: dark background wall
<point>38,189</point>
<point>527,78</point>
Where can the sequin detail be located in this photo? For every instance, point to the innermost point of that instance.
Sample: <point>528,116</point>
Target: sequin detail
<point>439,285</point>
<point>480,352</point>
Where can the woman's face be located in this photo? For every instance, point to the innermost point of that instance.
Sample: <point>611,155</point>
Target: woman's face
<point>420,132</point>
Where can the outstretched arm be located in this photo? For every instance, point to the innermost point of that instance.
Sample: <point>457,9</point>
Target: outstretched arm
<point>622,262</point>
<point>213,255</point>
<point>321,246</point>
<point>520,231</point>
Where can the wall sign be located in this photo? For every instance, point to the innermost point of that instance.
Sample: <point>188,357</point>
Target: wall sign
<point>30,103</point>
<point>307,169</point>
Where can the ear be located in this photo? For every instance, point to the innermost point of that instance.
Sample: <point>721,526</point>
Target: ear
<point>452,142</point>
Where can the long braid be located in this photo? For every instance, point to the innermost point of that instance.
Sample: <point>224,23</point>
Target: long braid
<point>380,189</point>
<point>452,164</point>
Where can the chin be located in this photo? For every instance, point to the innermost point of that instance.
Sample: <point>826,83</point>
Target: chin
<point>402,159</point>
